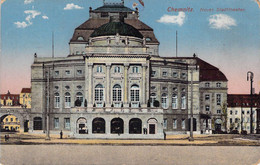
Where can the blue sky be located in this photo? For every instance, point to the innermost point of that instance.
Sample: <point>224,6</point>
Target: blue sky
<point>231,42</point>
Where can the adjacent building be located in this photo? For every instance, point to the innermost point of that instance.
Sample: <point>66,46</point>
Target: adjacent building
<point>239,111</point>
<point>114,84</point>
<point>9,99</point>
<point>25,98</point>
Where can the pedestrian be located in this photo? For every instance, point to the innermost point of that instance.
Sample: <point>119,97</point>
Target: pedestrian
<point>61,134</point>
<point>164,135</point>
<point>5,137</point>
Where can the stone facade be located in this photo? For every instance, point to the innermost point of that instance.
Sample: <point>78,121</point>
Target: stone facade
<point>114,84</point>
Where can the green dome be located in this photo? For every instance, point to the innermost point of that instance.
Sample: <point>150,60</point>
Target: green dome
<point>112,28</point>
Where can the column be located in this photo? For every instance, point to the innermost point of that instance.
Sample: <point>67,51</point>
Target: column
<point>90,85</point>
<point>108,85</point>
<point>126,67</point>
<point>143,86</point>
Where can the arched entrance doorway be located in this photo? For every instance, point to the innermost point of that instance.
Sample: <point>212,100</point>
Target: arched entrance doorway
<point>135,126</point>
<point>117,126</point>
<point>82,126</point>
<point>37,123</point>
<point>98,125</point>
<point>152,126</point>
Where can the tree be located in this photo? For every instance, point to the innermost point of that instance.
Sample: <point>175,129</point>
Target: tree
<point>224,115</point>
<point>78,103</point>
<point>156,103</point>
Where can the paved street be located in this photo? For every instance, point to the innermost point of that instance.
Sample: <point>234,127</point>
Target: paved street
<point>157,155</point>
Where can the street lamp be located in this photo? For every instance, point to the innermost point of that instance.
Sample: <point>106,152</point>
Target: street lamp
<point>250,75</point>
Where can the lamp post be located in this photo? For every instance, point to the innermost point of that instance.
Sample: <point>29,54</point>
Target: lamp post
<point>191,108</point>
<point>250,75</point>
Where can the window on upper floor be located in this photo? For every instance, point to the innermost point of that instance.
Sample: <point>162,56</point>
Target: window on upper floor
<point>164,73</point>
<point>104,14</point>
<point>80,38</point>
<point>67,87</point>
<point>207,97</point>
<point>67,72</point>
<point>153,87</point>
<point>56,100</point>
<point>79,72</point>
<point>236,112</point>
<point>230,120</point>
<point>183,75</point>
<point>117,69</point>
<point>57,73</point>
<point>175,74</point>
<point>148,39</point>
<point>135,95</point>
<point>218,99</point>
<point>56,87</point>
<point>231,112</point>
<point>218,111</point>
<point>99,95</point>
<point>79,87</point>
<point>207,108</point>
<point>117,93</point>
<point>174,101</point>
<point>67,100</point>
<point>174,89</point>
<point>165,89</point>
<point>153,73</point>
<point>135,69</point>
<point>164,100</point>
<point>99,69</point>
<point>207,84</point>
<point>218,84</point>
<point>153,98</point>
<point>183,101</point>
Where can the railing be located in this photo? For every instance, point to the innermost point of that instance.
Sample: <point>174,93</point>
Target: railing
<point>115,110</point>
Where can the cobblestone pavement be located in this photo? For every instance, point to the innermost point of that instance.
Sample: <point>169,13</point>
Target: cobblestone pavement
<point>128,155</point>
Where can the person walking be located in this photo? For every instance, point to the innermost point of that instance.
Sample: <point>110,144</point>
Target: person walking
<point>61,134</point>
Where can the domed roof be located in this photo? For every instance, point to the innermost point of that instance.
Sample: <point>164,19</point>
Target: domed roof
<point>114,27</point>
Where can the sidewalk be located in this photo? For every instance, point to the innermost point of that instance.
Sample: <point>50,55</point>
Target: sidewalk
<point>202,140</point>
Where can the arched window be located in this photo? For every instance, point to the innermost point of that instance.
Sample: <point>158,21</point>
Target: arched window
<point>80,38</point>
<point>134,95</point>
<point>117,69</point>
<point>117,95</point>
<point>183,101</point>
<point>148,39</point>
<point>117,126</point>
<point>79,96</point>
<point>99,95</point>
<point>37,123</point>
<point>56,100</point>
<point>98,125</point>
<point>67,100</point>
<point>135,126</point>
<point>153,98</point>
<point>174,101</point>
<point>164,101</point>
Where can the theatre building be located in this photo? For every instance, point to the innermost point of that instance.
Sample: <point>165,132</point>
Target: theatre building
<point>114,84</point>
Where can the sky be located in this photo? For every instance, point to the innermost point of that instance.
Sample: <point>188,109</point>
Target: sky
<point>227,39</point>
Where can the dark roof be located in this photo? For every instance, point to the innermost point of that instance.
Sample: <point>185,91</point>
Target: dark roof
<point>243,100</point>
<point>112,28</point>
<point>209,72</point>
<point>113,8</point>
<point>26,90</point>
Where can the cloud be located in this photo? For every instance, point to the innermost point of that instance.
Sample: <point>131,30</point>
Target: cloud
<point>21,24</point>
<point>45,17</point>
<point>221,21</point>
<point>28,1</point>
<point>31,14</point>
<point>175,19</point>
<point>71,6</point>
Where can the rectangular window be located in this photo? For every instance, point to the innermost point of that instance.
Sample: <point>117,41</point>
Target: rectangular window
<point>207,107</point>
<point>218,85</point>
<point>230,120</point>
<point>67,101</point>
<point>99,69</point>
<point>236,112</point>
<point>175,74</point>
<point>218,99</point>
<point>57,73</point>
<point>153,73</point>
<point>135,69</point>
<point>183,124</point>
<point>164,123</point>
<point>56,122</point>
<point>164,73</point>
<point>183,75</point>
<point>67,72</point>
<point>218,111</point>
<point>79,72</point>
<point>174,102</point>
<point>6,119</point>
<point>11,119</point>
<point>183,102</point>
<point>67,123</point>
<point>207,85</point>
<point>117,69</point>
<point>207,97</point>
<point>174,124</point>
<point>57,102</point>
